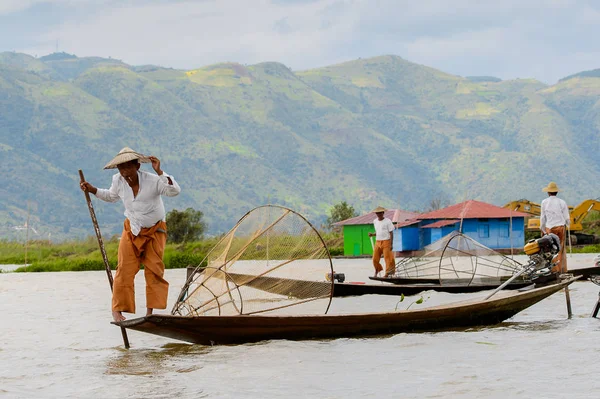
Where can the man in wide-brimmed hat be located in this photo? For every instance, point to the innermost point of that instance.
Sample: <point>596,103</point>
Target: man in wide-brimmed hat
<point>555,219</point>
<point>144,231</point>
<point>384,241</point>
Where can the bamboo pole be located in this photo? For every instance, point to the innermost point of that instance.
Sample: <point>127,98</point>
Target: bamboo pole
<point>597,307</point>
<point>27,235</point>
<point>563,259</point>
<point>568,298</point>
<point>102,251</point>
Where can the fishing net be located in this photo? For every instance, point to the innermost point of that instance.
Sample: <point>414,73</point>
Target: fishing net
<point>273,260</point>
<point>458,259</point>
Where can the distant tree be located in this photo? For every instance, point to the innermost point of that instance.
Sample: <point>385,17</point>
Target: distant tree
<point>339,212</point>
<point>184,226</point>
<point>438,201</point>
<point>435,204</point>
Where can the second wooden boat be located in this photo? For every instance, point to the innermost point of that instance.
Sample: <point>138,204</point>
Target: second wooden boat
<point>353,289</point>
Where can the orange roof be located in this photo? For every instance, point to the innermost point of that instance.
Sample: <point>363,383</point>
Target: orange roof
<point>472,209</point>
<point>395,215</point>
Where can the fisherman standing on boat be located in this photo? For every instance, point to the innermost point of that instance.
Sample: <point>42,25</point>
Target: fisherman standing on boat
<point>555,219</point>
<point>144,231</point>
<point>384,241</point>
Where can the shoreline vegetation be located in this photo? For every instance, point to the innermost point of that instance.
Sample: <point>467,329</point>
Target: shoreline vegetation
<point>84,255</point>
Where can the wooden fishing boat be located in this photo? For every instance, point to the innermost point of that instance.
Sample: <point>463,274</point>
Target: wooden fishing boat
<point>261,282</point>
<point>485,283</point>
<point>416,287</point>
<point>407,280</point>
<point>586,272</point>
<point>238,329</point>
<point>296,288</point>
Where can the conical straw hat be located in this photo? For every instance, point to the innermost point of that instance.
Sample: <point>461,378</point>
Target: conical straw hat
<point>126,155</point>
<point>379,209</point>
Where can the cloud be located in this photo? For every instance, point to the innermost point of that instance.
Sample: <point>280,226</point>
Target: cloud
<point>12,6</point>
<point>536,38</point>
<point>189,34</point>
<point>8,7</point>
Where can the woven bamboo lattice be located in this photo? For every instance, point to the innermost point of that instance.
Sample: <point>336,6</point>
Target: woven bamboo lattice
<point>272,261</point>
<point>458,259</point>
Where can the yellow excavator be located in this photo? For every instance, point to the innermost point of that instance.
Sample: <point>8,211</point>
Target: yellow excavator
<point>578,213</point>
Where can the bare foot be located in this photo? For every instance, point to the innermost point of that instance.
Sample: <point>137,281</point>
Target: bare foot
<point>149,311</point>
<point>118,316</point>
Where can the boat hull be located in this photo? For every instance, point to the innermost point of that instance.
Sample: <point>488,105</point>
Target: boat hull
<point>586,272</point>
<point>213,330</point>
<point>416,287</point>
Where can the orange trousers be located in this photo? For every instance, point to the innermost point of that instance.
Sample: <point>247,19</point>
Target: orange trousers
<point>383,247</point>
<point>561,264</point>
<point>146,248</point>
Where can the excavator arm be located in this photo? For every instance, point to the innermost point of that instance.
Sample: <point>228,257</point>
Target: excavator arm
<point>580,212</point>
<point>531,208</point>
<point>525,206</point>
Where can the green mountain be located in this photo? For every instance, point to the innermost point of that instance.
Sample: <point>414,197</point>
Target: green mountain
<point>372,131</point>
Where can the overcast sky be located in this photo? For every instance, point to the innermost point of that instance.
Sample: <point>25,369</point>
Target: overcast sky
<point>542,39</point>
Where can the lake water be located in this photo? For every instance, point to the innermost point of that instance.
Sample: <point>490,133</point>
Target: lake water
<point>57,342</point>
<point>10,268</point>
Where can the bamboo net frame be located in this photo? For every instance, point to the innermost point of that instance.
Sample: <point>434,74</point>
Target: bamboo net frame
<point>458,259</point>
<point>272,261</point>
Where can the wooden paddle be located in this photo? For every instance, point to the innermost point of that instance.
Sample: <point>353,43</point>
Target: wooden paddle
<point>102,250</point>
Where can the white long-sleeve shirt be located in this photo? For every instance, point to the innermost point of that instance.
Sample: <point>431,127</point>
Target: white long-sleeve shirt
<point>554,213</point>
<point>147,208</point>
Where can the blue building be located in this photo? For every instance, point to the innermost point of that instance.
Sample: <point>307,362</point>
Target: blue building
<point>356,230</point>
<point>495,227</point>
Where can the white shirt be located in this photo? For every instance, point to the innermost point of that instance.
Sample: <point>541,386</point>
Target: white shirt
<point>146,209</point>
<point>554,213</point>
<point>383,228</point>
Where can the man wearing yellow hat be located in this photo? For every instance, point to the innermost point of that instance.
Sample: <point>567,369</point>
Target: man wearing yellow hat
<point>555,219</point>
<point>384,241</point>
<point>144,231</point>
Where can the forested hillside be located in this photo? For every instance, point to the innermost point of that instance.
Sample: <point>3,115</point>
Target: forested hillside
<point>379,131</point>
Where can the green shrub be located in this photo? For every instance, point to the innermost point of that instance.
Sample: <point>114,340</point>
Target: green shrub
<point>182,260</point>
<point>67,265</point>
<point>338,251</point>
<point>588,249</point>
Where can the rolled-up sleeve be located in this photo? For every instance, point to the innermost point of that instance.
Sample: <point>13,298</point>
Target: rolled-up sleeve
<point>112,194</point>
<point>164,188</point>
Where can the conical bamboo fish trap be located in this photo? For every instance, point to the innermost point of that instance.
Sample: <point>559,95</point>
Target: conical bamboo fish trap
<point>272,261</point>
<point>458,259</point>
